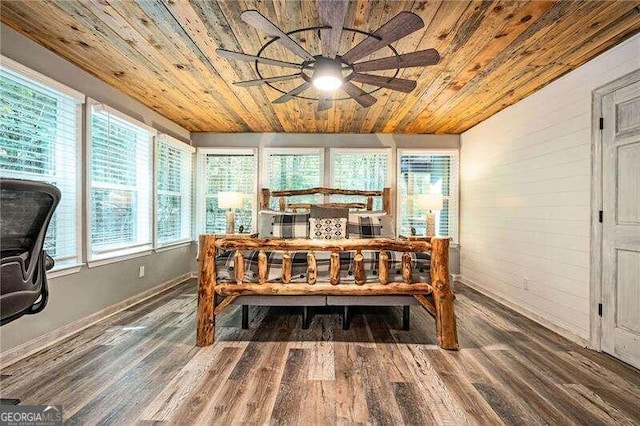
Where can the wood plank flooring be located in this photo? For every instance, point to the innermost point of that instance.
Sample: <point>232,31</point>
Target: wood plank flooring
<point>142,366</point>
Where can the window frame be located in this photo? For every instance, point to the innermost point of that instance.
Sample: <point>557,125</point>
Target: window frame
<point>117,254</point>
<point>266,152</point>
<point>389,179</point>
<point>201,194</point>
<point>454,191</point>
<point>164,138</point>
<point>72,262</point>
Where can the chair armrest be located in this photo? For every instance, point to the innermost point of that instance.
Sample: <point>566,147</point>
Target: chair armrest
<point>48,262</point>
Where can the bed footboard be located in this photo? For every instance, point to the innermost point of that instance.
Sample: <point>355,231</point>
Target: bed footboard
<point>436,297</point>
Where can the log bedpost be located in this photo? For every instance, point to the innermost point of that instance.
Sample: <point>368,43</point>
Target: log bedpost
<point>265,198</point>
<point>282,203</point>
<point>262,267</point>
<point>383,269</point>
<point>238,266</point>
<point>286,267</point>
<point>205,335</point>
<point>406,267</point>
<point>334,268</point>
<point>358,268</point>
<point>442,295</point>
<point>312,272</point>
<point>386,200</point>
<point>369,203</point>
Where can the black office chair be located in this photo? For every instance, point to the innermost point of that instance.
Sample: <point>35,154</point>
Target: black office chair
<point>26,208</point>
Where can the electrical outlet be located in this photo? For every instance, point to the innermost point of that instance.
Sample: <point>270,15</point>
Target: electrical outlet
<point>525,283</point>
<point>141,273</point>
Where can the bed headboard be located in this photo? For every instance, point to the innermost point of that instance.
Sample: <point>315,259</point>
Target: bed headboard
<point>367,204</point>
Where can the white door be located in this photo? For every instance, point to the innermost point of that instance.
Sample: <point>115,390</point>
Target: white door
<point>621,224</point>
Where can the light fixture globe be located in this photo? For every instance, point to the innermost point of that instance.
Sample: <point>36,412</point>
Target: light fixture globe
<point>327,74</point>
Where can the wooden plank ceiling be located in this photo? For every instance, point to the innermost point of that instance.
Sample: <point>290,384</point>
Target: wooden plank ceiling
<point>162,53</point>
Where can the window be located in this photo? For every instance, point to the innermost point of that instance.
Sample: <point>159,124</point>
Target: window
<point>174,166</point>
<point>293,168</point>
<point>362,169</point>
<point>229,170</point>
<point>120,184</point>
<point>39,141</point>
<point>422,172</point>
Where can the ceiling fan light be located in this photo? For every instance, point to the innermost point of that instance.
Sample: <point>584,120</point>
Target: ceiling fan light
<point>327,75</point>
<point>327,82</point>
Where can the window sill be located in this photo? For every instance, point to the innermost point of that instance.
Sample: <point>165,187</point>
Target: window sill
<point>172,246</point>
<point>66,269</point>
<point>119,256</point>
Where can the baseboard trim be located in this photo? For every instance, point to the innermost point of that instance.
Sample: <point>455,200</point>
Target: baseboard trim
<point>525,312</point>
<point>43,341</point>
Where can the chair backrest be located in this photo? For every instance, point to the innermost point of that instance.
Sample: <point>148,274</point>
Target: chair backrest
<point>26,208</point>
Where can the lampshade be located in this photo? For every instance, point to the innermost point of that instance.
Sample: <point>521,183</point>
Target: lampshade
<point>230,200</point>
<point>430,201</point>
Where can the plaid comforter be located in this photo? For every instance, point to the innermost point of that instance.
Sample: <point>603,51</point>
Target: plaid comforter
<point>225,263</point>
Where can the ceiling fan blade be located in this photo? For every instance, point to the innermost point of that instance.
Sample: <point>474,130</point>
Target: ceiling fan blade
<point>238,56</point>
<point>359,95</point>
<point>324,103</point>
<point>260,22</point>
<point>332,13</point>
<point>400,84</point>
<point>407,60</point>
<point>260,81</point>
<point>401,25</point>
<point>289,95</point>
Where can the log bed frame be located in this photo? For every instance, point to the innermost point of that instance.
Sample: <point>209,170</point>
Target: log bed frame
<point>436,297</point>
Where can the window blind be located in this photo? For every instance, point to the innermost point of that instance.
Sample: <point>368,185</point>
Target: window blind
<point>428,172</point>
<point>174,177</point>
<point>294,169</point>
<point>120,172</point>
<point>233,171</point>
<point>39,141</point>
<point>359,169</point>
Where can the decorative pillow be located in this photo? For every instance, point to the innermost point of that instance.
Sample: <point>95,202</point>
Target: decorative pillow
<point>266,220</point>
<point>291,225</point>
<point>387,230</point>
<point>365,227</point>
<point>330,228</point>
<point>320,212</point>
<point>386,222</point>
<point>265,223</point>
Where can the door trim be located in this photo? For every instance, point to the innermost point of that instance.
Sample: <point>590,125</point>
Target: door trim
<point>595,338</point>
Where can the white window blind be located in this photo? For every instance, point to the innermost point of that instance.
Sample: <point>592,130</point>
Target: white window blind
<point>39,141</point>
<point>232,170</point>
<point>174,177</point>
<point>422,172</point>
<point>293,169</point>
<point>120,186</point>
<point>360,169</point>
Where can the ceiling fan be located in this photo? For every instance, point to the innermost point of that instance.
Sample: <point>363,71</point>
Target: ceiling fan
<point>330,71</point>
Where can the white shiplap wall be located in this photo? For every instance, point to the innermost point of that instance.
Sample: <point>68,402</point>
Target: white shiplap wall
<point>525,197</point>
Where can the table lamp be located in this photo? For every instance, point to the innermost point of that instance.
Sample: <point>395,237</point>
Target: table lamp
<point>230,200</point>
<point>430,203</point>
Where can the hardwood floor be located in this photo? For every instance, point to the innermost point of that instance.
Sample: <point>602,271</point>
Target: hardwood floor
<point>142,365</point>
